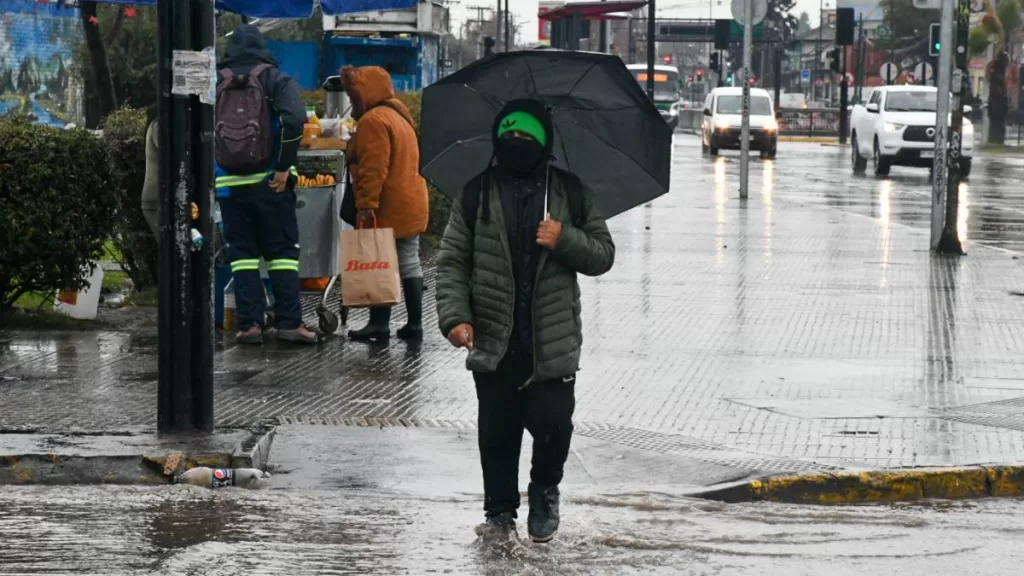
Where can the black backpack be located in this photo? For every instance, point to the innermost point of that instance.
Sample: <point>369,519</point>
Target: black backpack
<point>244,128</point>
<point>573,190</point>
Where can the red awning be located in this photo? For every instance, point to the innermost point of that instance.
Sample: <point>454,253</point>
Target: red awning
<point>593,10</point>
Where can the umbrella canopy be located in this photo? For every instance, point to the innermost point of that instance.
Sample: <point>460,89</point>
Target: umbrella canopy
<point>607,132</point>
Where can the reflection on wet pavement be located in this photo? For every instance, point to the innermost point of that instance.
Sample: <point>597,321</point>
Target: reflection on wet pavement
<point>188,530</point>
<point>806,324</point>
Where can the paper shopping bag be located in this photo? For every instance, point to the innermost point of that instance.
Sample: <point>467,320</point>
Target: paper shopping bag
<point>369,268</point>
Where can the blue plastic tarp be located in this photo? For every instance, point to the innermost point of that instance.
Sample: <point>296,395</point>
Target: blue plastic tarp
<point>349,6</point>
<point>293,8</point>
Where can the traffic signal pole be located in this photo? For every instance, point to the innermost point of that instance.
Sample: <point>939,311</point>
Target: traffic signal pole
<point>844,99</point>
<point>651,47</point>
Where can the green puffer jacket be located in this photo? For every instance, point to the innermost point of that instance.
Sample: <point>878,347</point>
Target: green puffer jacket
<point>475,283</point>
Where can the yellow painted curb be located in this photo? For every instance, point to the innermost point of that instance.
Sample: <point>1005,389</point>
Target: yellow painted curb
<point>812,139</point>
<point>879,486</point>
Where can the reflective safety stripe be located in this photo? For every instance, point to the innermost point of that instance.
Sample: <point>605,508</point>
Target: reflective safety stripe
<point>244,265</point>
<point>230,180</point>
<point>283,265</point>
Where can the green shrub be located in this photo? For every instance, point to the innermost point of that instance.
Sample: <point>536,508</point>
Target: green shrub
<point>135,247</point>
<point>57,207</point>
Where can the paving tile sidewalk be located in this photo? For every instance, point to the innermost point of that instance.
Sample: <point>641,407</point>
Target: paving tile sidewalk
<point>778,333</point>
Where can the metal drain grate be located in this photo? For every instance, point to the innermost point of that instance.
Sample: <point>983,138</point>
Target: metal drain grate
<point>659,442</point>
<point>999,414</point>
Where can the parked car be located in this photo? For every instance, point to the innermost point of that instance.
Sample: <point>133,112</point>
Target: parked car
<point>896,127</point>
<point>723,116</point>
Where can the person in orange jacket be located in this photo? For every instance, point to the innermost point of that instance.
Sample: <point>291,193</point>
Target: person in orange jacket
<point>384,160</point>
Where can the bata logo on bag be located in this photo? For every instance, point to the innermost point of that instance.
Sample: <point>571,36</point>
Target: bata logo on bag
<point>356,265</point>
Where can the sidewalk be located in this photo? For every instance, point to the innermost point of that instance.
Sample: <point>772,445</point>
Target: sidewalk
<point>805,330</point>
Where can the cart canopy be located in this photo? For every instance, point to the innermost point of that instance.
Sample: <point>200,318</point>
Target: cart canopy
<point>292,8</point>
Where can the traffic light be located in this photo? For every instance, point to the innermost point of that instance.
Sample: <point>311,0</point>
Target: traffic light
<point>714,65</point>
<point>844,26</point>
<point>934,42</point>
<point>728,80</point>
<point>689,79</point>
<point>700,74</point>
<point>723,32</point>
<point>833,59</point>
<point>667,59</point>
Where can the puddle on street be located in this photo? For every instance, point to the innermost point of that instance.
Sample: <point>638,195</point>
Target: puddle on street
<point>188,530</point>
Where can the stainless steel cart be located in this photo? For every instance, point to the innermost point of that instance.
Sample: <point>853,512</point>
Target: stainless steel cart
<point>320,228</point>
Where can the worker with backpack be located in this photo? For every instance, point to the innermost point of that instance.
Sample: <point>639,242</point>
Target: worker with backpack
<point>258,128</point>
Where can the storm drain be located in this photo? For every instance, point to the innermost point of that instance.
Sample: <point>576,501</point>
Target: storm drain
<point>1007,414</point>
<point>658,442</point>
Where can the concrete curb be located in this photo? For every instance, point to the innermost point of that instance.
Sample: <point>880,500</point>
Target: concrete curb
<point>149,466</point>
<point>875,486</point>
<point>811,139</point>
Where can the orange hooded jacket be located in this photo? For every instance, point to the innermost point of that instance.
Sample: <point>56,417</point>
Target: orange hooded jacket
<point>384,155</point>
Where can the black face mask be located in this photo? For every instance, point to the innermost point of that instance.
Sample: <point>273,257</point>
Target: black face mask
<point>520,156</point>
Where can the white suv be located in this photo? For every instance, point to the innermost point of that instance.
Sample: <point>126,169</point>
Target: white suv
<point>896,127</point>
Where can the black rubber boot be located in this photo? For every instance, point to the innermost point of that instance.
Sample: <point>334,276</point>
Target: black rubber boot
<point>378,329</point>
<point>413,290</point>
<point>498,526</point>
<point>542,523</point>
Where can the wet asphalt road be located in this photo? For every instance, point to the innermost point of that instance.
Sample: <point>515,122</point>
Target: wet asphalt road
<point>359,530</point>
<point>875,374</point>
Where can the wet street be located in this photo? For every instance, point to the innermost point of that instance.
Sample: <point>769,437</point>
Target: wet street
<point>804,329</point>
<point>397,512</point>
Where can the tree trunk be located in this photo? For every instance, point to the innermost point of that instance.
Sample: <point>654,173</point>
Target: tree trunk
<point>102,76</point>
<point>998,103</point>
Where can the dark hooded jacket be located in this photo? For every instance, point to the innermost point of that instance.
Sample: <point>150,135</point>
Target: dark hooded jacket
<point>244,52</point>
<point>495,277</point>
<point>522,206</point>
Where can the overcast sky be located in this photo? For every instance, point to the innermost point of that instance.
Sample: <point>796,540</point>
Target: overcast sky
<point>526,11</point>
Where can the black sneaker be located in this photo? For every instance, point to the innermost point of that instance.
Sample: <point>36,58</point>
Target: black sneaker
<point>498,526</point>
<point>542,523</point>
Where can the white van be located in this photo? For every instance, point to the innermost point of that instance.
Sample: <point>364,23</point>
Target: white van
<point>723,109</point>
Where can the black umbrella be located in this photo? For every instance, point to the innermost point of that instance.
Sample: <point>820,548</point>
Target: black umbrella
<point>607,131</point>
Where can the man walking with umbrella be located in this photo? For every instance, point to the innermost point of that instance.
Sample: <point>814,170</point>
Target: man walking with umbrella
<point>507,291</point>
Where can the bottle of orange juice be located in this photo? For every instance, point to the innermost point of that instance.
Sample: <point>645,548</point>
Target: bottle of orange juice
<point>312,127</point>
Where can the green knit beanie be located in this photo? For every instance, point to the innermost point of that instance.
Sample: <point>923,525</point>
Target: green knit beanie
<point>523,122</point>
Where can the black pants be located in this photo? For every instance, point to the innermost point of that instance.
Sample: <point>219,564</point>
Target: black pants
<point>259,222</point>
<point>543,408</point>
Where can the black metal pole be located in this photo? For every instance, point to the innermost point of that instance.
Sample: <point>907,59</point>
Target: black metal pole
<point>651,44</point>
<point>859,66</point>
<point>174,390</point>
<point>508,27</point>
<point>204,36</point>
<point>497,26</point>
<point>844,97</point>
<point>602,43</point>
<point>777,67</point>
<point>949,241</point>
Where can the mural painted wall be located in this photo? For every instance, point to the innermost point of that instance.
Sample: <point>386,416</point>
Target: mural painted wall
<point>36,78</point>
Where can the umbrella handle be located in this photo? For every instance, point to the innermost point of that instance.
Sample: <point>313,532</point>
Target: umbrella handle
<point>547,182</point>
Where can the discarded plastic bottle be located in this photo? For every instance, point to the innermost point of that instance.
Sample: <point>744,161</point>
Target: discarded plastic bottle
<point>197,240</point>
<point>230,309</point>
<point>222,477</point>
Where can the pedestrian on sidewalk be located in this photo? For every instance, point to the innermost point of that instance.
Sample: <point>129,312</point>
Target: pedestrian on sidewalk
<point>260,117</point>
<point>384,160</point>
<point>507,291</point>
<point>150,198</point>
